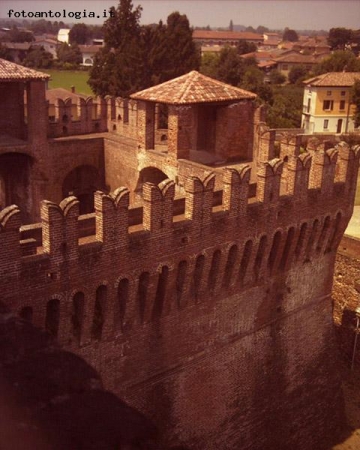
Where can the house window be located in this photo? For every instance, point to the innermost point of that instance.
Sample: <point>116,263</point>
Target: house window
<point>326,124</point>
<point>343,93</point>
<point>342,105</point>
<point>328,105</point>
<point>328,93</point>
<point>308,105</point>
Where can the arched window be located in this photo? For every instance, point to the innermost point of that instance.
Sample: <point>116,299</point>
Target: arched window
<point>99,313</point>
<point>52,319</point>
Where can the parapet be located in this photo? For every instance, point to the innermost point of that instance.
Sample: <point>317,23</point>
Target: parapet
<point>308,180</point>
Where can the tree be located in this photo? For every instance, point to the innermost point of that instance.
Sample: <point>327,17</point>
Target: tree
<point>261,29</point>
<point>182,55</point>
<point>135,57</point>
<point>297,74</point>
<point>337,62</point>
<point>5,53</point>
<point>339,37</point>
<point>210,64</point>
<point>290,35</point>
<point>355,97</point>
<point>231,67</point>
<point>244,47</point>
<point>39,58</point>
<point>79,34</point>
<point>118,67</point>
<point>285,112</point>
<point>69,55</point>
<point>276,77</point>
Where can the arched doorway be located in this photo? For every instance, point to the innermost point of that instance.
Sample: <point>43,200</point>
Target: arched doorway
<point>82,182</point>
<point>15,186</point>
<point>150,175</point>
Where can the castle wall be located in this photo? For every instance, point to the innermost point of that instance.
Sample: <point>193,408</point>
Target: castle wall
<point>216,321</point>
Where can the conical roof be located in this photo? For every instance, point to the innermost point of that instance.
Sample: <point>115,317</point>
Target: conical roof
<point>192,87</point>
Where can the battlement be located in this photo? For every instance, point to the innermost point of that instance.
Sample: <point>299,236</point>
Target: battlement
<point>287,221</point>
<point>85,115</point>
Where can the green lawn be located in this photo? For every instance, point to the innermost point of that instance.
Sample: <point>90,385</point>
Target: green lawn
<point>68,78</point>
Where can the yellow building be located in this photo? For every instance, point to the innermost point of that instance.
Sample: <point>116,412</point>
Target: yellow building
<point>327,106</point>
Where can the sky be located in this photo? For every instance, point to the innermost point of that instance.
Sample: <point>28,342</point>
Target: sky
<point>274,14</point>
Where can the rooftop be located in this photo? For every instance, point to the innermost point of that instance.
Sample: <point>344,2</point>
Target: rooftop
<point>192,87</point>
<point>340,79</point>
<point>10,71</point>
<point>209,34</point>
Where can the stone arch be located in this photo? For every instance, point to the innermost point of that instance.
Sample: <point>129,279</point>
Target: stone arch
<point>82,182</point>
<point>15,182</point>
<point>150,175</point>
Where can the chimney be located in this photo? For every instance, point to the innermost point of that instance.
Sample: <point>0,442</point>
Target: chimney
<point>73,89</point>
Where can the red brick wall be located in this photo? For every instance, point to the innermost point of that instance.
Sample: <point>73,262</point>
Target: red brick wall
<point>212,323</point>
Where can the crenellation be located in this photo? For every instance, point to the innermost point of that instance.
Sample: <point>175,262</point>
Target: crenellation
<point>10,240</point>
<point>236,190</point>
<point>269,181</point>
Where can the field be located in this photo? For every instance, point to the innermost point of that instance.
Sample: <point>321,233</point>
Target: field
<point>68,78</point>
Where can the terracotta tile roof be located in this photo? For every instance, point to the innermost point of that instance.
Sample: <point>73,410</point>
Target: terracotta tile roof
<point>297,58</point>
<point>231,35</point>
<point>60,93</point>
<point>192,88</point>
<point>334,79</point>
<point>10,71</point>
